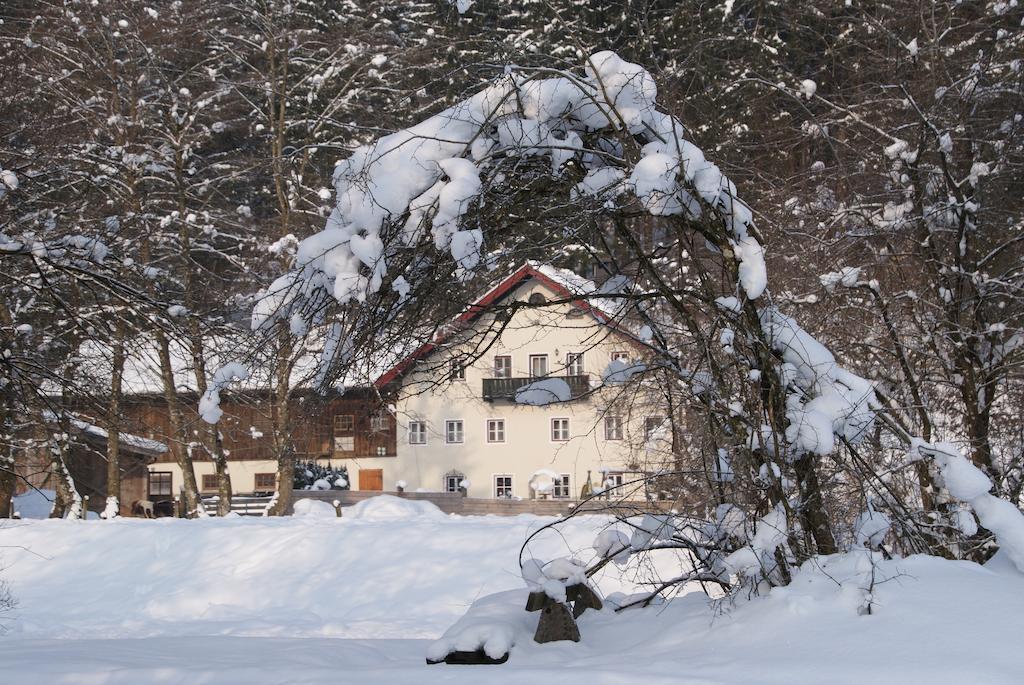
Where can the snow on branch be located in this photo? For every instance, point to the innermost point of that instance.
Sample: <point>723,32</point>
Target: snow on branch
<point>967,483</point>
<point>209,403</point>
<point>417,184</point>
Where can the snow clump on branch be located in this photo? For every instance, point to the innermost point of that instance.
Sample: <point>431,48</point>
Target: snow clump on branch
<point>421,181</point>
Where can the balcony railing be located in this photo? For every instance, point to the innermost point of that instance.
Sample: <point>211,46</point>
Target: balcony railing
<point>505,388</point>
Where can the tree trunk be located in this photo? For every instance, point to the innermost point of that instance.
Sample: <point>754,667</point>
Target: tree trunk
<point>113,506</point>
<point>193,503</point>
<point>282,429</point>
<point>67,501</point>
<point>214,444</point>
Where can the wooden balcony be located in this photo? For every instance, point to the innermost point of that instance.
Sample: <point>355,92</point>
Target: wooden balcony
<point>505,388</point>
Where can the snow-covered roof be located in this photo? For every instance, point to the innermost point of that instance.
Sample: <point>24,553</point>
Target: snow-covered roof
<point>134,443</point>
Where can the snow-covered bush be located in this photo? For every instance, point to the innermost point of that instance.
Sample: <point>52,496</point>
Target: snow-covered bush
<point>311,475</point>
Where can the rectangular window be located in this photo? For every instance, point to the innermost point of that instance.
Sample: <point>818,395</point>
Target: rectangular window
<point>345,443</point>
<point>613,428</point>
<point>651,424</point>
<point>613,483</point>
<point>380,422</point>
<point>574,364</point>
<point>503,487</point>
<point>538,365</point>
<point>344,424</point>
<point>496,430</point>
<point>266,481</point>
<point>561,490</point>
<point>559,430</point>
<point>160,483</point>
<point>417,432</point>
<point>453,431</point>
<point>210,481</point>
<point>453,482</point>
<point>620,355</point>
<point>458,372</point>
<point>503,366</point>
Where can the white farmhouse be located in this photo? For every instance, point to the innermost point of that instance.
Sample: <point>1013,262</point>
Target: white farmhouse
<point>519,398</point>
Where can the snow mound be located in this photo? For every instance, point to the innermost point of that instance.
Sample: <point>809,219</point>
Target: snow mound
<point>314,508</point>
<point>495,623</point>
<point>545,391</point>
<point>390,508</point>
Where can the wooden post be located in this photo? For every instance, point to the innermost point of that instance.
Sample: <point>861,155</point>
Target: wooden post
<point>85,508</point>
<point>337,508</point>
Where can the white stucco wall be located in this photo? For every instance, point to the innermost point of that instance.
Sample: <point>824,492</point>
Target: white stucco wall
<point>528,444</point>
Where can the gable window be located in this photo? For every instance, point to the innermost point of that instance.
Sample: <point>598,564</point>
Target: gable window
<point>417,432</point>
<point>210,481</point>
<point>561,489</point>
<point>503,486</point>
<point>344,424</point>
<point>559,430</point>
<point>538,365</point>
<point>496,430</point>
<point>453,481</point>
<point>380,422</point>
<point>458,371</point>
<point>613,428</point>
<point>620,356</point>
<point>453,431</point>
<point>160,483</point>
<point>652,424</point>
<point>574,364</point>
<point>537,298</point>
<point>266,481</point>
<point>503,366</point>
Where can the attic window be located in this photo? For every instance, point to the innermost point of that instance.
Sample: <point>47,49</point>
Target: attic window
<point>537,298</point>
<point>575,312</point>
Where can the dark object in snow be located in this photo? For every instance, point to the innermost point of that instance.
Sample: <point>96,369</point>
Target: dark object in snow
<point>582,597</point>
<point>475,658</point>
<point>556,623</point>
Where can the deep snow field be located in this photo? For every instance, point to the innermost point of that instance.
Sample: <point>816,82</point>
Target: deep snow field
<point>311,599</point>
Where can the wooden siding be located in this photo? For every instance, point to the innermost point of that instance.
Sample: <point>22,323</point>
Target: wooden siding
<point>247,423</point>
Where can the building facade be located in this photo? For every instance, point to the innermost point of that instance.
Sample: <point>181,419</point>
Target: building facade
<point>476,410</point>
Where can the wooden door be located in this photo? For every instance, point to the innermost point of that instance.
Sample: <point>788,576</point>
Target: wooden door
<point>371,479</point>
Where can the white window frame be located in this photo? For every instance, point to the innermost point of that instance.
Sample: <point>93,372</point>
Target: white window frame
<point>487,430</point>
<point>508,372</point>
<point>574,364</point>
<point>457,371</point>
<point>567,433</point>
<point>564,481</point>
<point>648,430</point>
<point>458,476</point>
<point>421,433</point>
<point>618,432</point>
<point>620,355</point>
<point>511,485</point>
<point>379,422</point>
<point>547,367</point>
<point>448,432</point>
<point>618,479</point>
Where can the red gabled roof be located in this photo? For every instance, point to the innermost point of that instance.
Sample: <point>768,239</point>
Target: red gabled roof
<point>523,273</point>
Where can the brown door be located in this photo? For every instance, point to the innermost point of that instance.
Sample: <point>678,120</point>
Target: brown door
<point>371,479</point>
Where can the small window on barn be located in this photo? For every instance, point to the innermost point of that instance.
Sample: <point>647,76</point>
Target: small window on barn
<point>210,481</point>
<point>380,422</point>
<point>345,443</point>
<point>266,481</point>
<point>344,423</point>
<point>160,483</point>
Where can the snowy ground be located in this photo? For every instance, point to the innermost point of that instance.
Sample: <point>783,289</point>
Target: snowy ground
<point>357,600</point>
